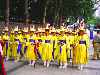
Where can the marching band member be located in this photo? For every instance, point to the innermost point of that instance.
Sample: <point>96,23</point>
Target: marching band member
<point>69,41</point>
<point>15,44</point>
<point>56,47</point>
<point>26,36</point>
<point>63,46</point>
<point>37,42</point>
<point>6,48</point>
<point>47,50</point>
<point>53,41</point>
<point>18,40</point>
<point>40,43</point>
<point>81,46</point>
<point>12,44</point>
<point>30,52</point>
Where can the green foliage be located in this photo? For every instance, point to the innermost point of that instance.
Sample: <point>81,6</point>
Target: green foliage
<point>55,8</point>
<point>93,20</point>
<point>98,20</point>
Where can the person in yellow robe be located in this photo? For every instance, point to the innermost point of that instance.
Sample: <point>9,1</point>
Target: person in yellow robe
<point>64,46</point>
<point>6,48</point>
<point>12,45</point>
<point>39,44</point>
<point>47,49</point>
<point>80,56</point>
<point>56,46</point>
<point>69,49</point>
<point>53,42</point>
<point>30,52</point>
<point>26,37</point>
<point>19,40</point>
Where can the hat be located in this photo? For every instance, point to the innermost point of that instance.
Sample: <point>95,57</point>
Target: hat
<point>42,30</point>
<point>57,30</point>
<point>74,33</point>
<point>39,29</point>
<point>16,28</point>
<point>6,29</point>
<point>32,28</point>
<point>47,26</point>
<point>25,29</point>
<point>36,32</point>
<point>12,31</point>
<point>53,30</point>
<point>19,32</point>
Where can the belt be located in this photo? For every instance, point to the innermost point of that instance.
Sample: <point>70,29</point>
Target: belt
<point>31,40</point>
<point>25,38</point>
<point>16,39</point>
<point>5,40</point>
<point>47,41</point>
<point>82,42</point>
<point>62,41</point>
<point>39,40</point>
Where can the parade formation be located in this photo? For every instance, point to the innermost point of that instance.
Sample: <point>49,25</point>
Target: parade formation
<point>46,44</point>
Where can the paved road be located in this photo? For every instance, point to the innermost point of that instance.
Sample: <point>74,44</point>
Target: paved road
<point>21,68</point>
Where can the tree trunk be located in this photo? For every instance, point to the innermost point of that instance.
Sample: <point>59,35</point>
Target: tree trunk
<point>59,12</point>
<point>44,17</point>
<point>7,12</point>
<point>45,12</point>
<point>26,12</point>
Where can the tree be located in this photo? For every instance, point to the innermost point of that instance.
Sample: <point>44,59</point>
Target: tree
<point>49,10</point>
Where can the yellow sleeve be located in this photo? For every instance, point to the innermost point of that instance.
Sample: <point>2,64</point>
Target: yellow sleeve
<point>12,38</point>
<point>67,42</point>
<point>87,40</point>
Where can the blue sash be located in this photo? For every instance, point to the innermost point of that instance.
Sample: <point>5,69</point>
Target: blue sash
<point>16,39</point>
<point>91,34</point>
<point>31,40</point>
<point>6,45</point>
<point>82,42</point>
<point>38,53</point>
<point>25,48</point>
<point>60,49</point>
<point>25,39</point>
<point>47,41</point>
<point>62,41</point>
<point>19,48</point>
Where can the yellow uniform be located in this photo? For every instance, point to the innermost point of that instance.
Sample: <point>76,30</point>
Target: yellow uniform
<point>25,41</point>
<point>40,46</point>
<point>47,49</point>
<point>6,48</point>
<point>56,51</point>
<point>19,40</point>
<point>64,45</point>
<point>30,52</point>
<point>81,50</point>
<point>12,46</point>
<point>53,43</point>
<point>68,47</point>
